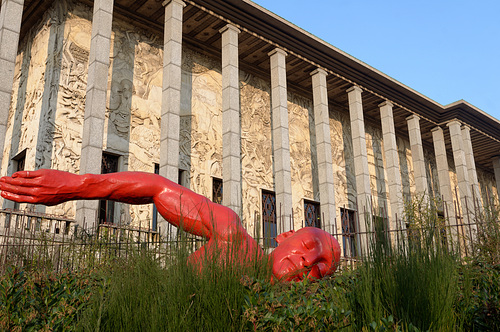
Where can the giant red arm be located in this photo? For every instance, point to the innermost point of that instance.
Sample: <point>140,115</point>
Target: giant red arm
<point>178,205</point>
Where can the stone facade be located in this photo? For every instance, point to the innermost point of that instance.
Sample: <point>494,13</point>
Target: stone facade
<point>47,112</point>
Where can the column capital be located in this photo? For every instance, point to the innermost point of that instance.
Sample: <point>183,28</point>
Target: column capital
<point>413,117</point>
<point>386,103</point>
<point>437,128</point>
<point>354,88</point>
<point>180,2</point>
<point>229,27</point>
<point>465,128</point>
<point>277,50</point>
<point>319,71</point>
<point>453,122</point>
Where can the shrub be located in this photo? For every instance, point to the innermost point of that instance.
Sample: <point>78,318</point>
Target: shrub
<point>30,301</point>
<point>297,306</point>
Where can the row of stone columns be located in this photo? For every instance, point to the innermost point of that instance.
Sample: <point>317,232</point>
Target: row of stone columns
<point>11,13</point>
<point>95,108</point>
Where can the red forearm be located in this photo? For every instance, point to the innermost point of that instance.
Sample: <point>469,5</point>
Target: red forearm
<point>126,187</point>
<point>178,205</point>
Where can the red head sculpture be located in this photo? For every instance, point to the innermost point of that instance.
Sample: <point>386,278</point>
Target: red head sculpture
<point>307,253</point>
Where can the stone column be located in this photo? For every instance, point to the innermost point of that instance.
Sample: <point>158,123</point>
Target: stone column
<point>95,102</point>
<point>281,141</point>
<point>392,164</point>
<point>11,14</point>
<point>324,150</point>
<point>496,169</point>
<point>444,179</point>
<point>171,98</point>
<point>171,93</point>
<point>462,171</point>
<point>231,127</point>
<point>360,160</point>
<point>417,155</point>
<point>471,166</point>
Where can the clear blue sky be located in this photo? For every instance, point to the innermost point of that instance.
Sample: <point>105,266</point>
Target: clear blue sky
<point>445,49</point>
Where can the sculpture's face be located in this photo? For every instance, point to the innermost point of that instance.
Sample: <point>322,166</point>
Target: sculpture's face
<point>308,253</point>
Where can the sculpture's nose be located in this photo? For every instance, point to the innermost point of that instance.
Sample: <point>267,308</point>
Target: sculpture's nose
<point>308,259</point>
<point>305,262</point>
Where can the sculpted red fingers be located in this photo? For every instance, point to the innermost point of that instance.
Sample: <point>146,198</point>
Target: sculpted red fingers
<point>41,186</point>
<point>19,187</point>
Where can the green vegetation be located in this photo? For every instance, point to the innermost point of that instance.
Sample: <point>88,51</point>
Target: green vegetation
<point>423,283</point>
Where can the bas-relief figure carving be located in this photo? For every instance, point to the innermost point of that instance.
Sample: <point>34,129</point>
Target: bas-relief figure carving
<point>205,121</point>
<point>23,126</point>
<point>489,193</point>
<point>256,146</point>
<point>71,99</point>
<point>57,16</point>
<point>299,110</point>
<point>406,168</point>
<point>343,160</point>
<point>378,178</point>
<point>134,107</point>
<point>432,174</point>
<point>34,94</point>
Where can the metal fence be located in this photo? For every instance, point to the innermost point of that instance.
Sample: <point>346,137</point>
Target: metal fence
<point>456,230</point>
<point>48,242</point>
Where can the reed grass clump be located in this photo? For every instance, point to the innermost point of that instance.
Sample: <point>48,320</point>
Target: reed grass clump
<point>412,282</point>
<point>143,295</point>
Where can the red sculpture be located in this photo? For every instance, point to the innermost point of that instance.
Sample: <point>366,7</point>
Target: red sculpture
<point>308,253</point>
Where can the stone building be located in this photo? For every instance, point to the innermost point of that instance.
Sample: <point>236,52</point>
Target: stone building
<point>227,95</point>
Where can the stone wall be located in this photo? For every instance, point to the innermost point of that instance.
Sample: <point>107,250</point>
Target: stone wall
<point>46,119</point>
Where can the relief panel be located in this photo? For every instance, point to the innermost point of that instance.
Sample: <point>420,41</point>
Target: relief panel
<point>406,168</point>
<point>205,122</point>
<point>488,189</point>
<point>68,124</point>
<point>342,160</point>
<point>256,148</point>
<point>301,167</point>
<point>378,177</point>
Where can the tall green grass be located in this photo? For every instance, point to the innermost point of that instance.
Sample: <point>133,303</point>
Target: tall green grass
<point>143,295</point>
<point>414,281</point>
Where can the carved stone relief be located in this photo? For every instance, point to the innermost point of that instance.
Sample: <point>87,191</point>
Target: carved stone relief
<point>134,108</point>
<point>256,147</point>
<point>205,122</point>
<point>34,95</point>
<point>71,98</point>
<point>378,177</point>
<point>432,174</point>
<point>343,160</point>
<point>406,168</point>
<point>487,186</point>
<point>299,110</point>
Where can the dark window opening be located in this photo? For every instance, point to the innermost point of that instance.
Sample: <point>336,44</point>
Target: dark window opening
<point>20,163</point>
<point>442,228</point>
<point>381,229</point>
<point>312,214</point>
<point>154,225</point>
<point>349,230</point>
<point>217,190</point>
<point>107,208</point>
<point>182,178</point>
<point>269,224</point>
